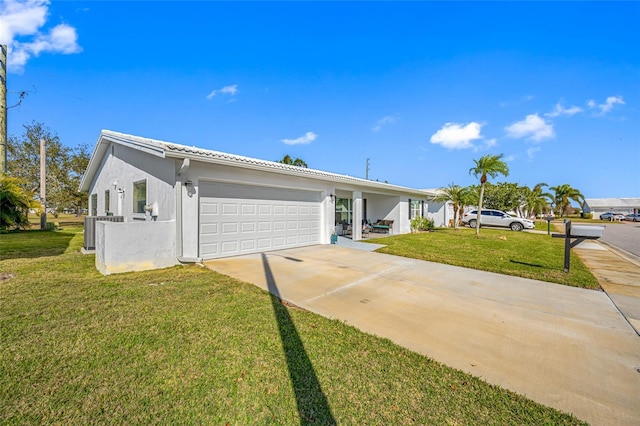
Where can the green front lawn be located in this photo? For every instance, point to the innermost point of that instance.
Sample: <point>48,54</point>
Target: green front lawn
<point>185,345</point>
<point>522,254</point>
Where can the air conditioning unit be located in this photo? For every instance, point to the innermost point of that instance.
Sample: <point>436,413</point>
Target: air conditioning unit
<point>90,229</point>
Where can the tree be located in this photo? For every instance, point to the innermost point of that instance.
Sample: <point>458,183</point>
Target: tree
<point>503,196</point>
<point>15,204</point>
<point>64,166</point>
<point>293,162</point>
<point>458,195</point>
<point>491,165</point>
<point>534,200</point>
<point>562,198</point>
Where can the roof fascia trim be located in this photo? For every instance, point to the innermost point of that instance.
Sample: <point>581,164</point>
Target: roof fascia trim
<point>328,177</point>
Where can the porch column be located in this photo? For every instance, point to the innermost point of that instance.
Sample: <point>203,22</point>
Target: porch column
<point>356,225</point>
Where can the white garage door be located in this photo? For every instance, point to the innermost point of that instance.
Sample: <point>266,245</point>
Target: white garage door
<point>239,219</point>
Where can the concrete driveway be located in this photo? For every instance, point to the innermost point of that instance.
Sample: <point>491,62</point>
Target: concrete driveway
<point>565,347</point>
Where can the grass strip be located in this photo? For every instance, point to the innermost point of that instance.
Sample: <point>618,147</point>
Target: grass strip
<point>186,345</point>
<point>522,254</point>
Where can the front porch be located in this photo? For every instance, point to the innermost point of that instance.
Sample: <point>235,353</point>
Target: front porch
<point>363,215</point>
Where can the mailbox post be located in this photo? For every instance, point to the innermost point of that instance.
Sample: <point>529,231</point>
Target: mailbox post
<point>579,233</point>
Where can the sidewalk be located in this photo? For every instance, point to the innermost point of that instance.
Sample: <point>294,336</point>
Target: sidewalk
<point>618,274</point>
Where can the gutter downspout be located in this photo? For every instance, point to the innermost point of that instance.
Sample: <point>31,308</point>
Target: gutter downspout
<point>179,241</point>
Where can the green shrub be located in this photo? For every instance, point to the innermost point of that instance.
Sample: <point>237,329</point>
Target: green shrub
<point>587,215</point>
<point>420,223</point>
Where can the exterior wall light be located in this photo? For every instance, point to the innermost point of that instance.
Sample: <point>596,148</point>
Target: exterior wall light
<point>189,187</point>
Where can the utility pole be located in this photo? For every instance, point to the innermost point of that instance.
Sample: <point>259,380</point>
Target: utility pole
<point>43,185</point>
<point>367,172</point>
<point>3,108</point>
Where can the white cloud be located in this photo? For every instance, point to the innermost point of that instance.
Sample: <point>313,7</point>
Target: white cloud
<point>489,143</point>
<point>389,119</point>
<point>226,90</point>
<point>532,151</point>
<point>510,158</point>
<point>457,136</point>
<point>607,105</point>
<point>304,139</point>
<point>532,127</point>
<point>559,110</point>
<point>21,23</point>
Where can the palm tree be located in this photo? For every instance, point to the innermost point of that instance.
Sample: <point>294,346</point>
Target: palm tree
<point>563,194</point>
<point>458,195</point>
<point>15,203</point>
<point>534,201</point>
<point>293,162</point>
<point>491,165</point>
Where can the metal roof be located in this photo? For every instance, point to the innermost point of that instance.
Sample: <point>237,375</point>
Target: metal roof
<point>613,202</point>
<point>169,149</point>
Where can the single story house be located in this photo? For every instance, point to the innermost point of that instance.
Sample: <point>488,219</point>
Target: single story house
<point>597,206</point>
<point>180,203</point>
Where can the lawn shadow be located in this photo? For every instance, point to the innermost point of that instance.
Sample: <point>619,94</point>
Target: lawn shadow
<point>33,243</point>
<point>535,265</point>
<point>311,401</point>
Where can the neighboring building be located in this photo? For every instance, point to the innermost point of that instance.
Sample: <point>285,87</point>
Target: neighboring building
<point>597,206</point>
<point>185,204</point>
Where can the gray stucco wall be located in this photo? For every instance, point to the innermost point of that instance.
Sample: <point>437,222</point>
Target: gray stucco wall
<point>121,167</point>
<point>134,246</point>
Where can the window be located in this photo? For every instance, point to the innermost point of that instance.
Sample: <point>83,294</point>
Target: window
<point>106,201</point>
<point>415,209</point>
<point>139,196</point>
<point>94,204</point>
<point>344,210</point>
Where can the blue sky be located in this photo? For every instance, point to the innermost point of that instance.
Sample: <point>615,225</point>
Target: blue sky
<point>420,88</point>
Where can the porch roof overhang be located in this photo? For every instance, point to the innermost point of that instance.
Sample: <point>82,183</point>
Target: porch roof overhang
<point>172,150</point>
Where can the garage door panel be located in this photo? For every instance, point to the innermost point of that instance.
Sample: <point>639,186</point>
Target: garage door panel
<point>229,247</point>
<point>209,208</point>
<point>248,245</point>
<point>247,227</point>
<point>264,209</point>
<point>249,219</point>
<point>229,208</point>
<point>209,229</point>
<point>209,249</point>
<point>249,209</point>
<point>264,226</point>
<point>229,228</point>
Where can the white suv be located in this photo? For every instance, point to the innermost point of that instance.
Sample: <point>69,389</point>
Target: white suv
<point>497,218</point>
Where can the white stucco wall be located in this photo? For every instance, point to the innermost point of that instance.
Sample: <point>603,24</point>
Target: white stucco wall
<point>203,172</point>
<point>134,246</point>
<point>440,213</point>
<point>120,168</point>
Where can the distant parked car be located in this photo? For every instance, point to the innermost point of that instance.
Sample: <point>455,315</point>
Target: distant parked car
<point>633,217</point>
<point>492,217</point>
<point>611,216</point>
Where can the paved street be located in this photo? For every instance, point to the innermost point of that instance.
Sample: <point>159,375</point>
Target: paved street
<point>624,235</point>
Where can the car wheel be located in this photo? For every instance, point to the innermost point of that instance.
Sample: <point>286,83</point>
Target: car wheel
<point>516,226</point>
<point>472,223</point>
